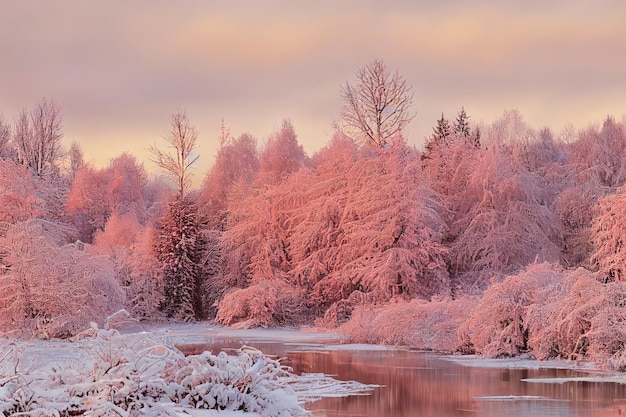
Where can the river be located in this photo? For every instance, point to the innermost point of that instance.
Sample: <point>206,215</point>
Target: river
<point>428,384</point>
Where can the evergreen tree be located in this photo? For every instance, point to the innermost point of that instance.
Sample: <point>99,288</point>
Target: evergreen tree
<point>443,130</point>
<point>179,245</point>
<point>461,125</point>
<point>439,138</point>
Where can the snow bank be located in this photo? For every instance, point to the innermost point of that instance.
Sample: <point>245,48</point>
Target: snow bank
<point>141,375</point>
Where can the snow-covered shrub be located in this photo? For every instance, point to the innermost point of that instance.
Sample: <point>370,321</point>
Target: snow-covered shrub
<point>52,290</point>
<point>504,320</point>
<point>135,375</point>
<point>417,323</point>
<point>587,320</point>
<point>266,304</point>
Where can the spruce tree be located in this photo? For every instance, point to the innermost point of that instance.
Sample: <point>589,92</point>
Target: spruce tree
<point>461,125</point>
<point>179,246</point>
<point>441,132</point>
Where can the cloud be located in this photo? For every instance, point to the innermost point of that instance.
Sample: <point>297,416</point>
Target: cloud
<point>118,69</point>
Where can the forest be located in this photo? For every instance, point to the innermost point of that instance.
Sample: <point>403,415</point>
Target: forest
<point>499,239</point>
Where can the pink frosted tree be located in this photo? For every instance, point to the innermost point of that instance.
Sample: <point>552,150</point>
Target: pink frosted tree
<point>130,246</point>
<point>608,232</point>
<point>282,154</point>
<point>364,228</point>
<point>506,225</point>
<point>98,193</point>
<point>236,166</point>
<point>18,194</point>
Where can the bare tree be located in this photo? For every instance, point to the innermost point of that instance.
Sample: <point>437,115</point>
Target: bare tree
<point>182,139</point>
<point>77,160</point>
<point>377,106</point>
<point>5,135</point>
<point>38,135</point>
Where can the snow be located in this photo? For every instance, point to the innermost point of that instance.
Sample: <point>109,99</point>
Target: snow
<point>599,378</point>
<point>142,374</point>
<point>516,363</point>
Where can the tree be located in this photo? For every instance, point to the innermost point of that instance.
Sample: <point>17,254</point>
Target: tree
<point>282,154</point>
<point>38,135</point>
<point>77,160</point>
<point>236,166</point>
<point>607,235</point>
<point>182,139</point>
<point>377,106</point>
<point>178,245</point>
<point>18,194</point>
<point>462,128</point>
<point>461,124</point>
<point>5,136</point>
<point>51,288</point>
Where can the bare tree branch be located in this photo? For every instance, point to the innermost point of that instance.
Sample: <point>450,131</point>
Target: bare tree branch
<point>377,106</point>
<point>182,139</point>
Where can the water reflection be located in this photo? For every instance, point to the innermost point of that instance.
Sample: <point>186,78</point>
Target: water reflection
<point>425,385</point>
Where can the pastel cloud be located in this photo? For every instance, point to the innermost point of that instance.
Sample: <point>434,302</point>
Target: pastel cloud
<point>119,68</point>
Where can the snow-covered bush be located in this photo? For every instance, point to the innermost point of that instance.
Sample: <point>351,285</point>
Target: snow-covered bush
<point>50,289</point>
<point>501,323</point>
<point>417,323</point>
<point>587,320</point>
<point>266,304</point>
<point>135,375</point>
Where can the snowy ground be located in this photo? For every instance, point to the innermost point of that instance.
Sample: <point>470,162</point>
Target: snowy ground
<point>140,372</point>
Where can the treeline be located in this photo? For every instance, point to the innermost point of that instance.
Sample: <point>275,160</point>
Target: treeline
<point>497,238</point>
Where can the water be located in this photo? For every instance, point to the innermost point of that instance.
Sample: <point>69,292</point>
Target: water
<point>427,384</point>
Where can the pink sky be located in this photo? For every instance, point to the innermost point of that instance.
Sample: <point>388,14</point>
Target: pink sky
<point>118,69</point>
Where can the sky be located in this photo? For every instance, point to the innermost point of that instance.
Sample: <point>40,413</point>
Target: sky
<point>119,69</point>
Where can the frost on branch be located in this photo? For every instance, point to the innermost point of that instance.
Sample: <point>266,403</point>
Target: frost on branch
<point>52,290</point>
<point>18,199</point>
<point>417,324</point>
<point>370,225</point>
<point>608,233</point>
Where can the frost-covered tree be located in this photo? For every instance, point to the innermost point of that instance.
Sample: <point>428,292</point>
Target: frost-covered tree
<point>600,154</point>
<point>51,288</point>
<point>5,137</point>
<point>377,106</point>
<point>18,194</point>
<point>130,246</point>
<point>504,221</point>
<point>608,233</point>
<point>37,137</point>
<point>362,227</point>
<point>236,166</point>
<point>98,193</point>
<point>282,154</point>
<point>179,244</point>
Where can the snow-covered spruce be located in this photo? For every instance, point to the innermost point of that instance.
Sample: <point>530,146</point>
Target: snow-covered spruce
<point>135,375</point>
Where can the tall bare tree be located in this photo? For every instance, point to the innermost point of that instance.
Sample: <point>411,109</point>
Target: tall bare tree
<point>5,135</point>
<point>182,139</point>
<point>377,105</point>
<point>38,135</point>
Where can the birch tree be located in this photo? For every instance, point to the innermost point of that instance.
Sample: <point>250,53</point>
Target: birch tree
<point>377,105</point>
<point>182,140</point>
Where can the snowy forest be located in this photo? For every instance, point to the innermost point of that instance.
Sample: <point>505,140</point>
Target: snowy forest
<point>493,238</point>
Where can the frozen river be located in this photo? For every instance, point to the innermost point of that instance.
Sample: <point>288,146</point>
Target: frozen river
<point>427,384</point>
